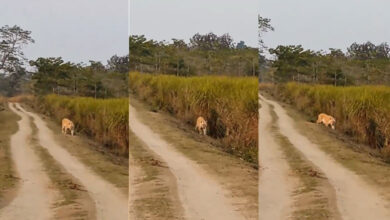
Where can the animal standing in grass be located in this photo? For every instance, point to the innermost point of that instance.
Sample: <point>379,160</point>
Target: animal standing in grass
<point>67,125</point>
<point>201,125</point>
<point>326,120</point>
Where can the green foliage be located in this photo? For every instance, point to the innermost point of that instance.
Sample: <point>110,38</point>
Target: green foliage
<point>53,75</point>
<point>206,55</point>
<point>229,104</point>
<point>363,64</point>
<point>361,112</point>
<point>104,120</point>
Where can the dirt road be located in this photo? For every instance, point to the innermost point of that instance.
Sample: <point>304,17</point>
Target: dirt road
<point>109,201</point>
<point>35,195</point>
<point>355,198</point>
<point>276,184</point>
<point>201,196</point>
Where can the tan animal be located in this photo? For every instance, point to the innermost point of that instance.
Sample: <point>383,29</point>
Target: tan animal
<point>67,125</point>
<point>201,125</point>
<point>326,120</point>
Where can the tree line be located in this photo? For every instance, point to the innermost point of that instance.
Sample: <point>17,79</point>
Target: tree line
<point>205,54</point>
<point>54,75</point>
<point>362,63</point>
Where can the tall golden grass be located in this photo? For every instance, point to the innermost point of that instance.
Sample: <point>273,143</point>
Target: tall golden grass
<point>106,120</point>
<point>362,112</point>
<point>229,104</point>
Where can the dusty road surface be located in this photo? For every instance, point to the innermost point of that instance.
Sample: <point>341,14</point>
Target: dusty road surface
<point>109,201</point>
<point>35,197</point>
<point>201,196</point>
<point>355,198</point>
<point>276,184</point>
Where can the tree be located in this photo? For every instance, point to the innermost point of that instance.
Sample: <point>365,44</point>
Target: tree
<point>118,64</point>
<point>241,45</point>
<point>97,66</point>
<point>180,44</point>
<point>12,40</point>
<point>383,51</point>
<point>211,41</point>
<point>368,50</point>
<point>264,27</point>
<point>50,75</point>
<point>205,54</point>
<point>294,62</point>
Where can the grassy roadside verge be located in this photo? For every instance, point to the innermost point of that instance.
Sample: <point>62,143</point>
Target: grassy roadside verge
<point>314,197</point>
<point>155,194</point>
<point>8,126</point>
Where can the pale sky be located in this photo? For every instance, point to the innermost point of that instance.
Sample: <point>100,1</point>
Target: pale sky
<point>77,30</point>
<point>323,24</point>
<point>181,19</point>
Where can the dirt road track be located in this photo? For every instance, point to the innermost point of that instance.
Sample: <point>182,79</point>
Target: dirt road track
<point>355,198</point>
<point>35,196</point>
<point>276,184</point>
<point>201,196</point>
<point>109,201</point>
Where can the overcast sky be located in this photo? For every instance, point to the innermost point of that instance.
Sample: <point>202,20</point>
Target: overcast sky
<point>77,30</point>
<point>181,19</point>
<point>323,24</point>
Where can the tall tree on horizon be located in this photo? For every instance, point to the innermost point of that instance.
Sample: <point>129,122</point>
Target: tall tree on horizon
<point>264,27</point>
<point>12,40</point>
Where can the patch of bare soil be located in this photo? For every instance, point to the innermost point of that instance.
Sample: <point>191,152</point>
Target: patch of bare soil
<point>153,189</point>
<point>277,181</point>
<point>74,201</point>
